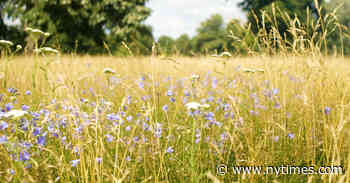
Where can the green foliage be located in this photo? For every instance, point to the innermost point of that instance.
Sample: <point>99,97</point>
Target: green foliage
<point>294,8</point>
<point>211,36</point>
<point>241,38</point>
<point>340,39</point>
<point>81,25</point>
<point>183,45</point>
<point>166,45</point>
<point>139,41</point>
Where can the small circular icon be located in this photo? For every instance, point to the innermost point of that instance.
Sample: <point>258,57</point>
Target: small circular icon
<point>221,169</point>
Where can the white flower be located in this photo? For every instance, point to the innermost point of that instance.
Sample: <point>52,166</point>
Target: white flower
<point>225,54</point>
<point>195,77</point>
<point>108,71</point>
<point>37,32</point>
<point>15,113</point>
<point>18,47</point>
<point>193,105</point>
<point>49,50</point>
<point>5,43</point>
<point>196,105</point>
<point>205,105</point>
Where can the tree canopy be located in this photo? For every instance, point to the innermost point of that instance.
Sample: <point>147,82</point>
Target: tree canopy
<point>81,24</point>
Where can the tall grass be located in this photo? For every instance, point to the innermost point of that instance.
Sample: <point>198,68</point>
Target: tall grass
<point>131,124</point>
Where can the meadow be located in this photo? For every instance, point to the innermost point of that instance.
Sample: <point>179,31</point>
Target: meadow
<point>157,119</point>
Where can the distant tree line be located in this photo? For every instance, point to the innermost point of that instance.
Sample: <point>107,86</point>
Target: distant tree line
<point>116,27</point>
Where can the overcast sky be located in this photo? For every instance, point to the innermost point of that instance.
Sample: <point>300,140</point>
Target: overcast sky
<point>175,17</point>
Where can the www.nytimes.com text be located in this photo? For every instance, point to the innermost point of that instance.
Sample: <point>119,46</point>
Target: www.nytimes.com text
<point>279,170</point>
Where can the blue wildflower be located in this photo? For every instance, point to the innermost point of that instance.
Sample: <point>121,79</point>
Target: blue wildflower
<point>275,91</point>
<point>170,93</point>
<point>3,139</point>
<point>170,150</point>
<point>109,138</point>
<point>172,99</point>
<point>25,107</point>
<point>75,162</point>
<point>3,125</point>
<point>158,130</point>
<point>24,156</point>
<point>41,140</point>
<point>128,128</point>
<point>8,106</point>
<point>99,160</point>
<point>36,131</point>
<point>12,90</point>
<point>27,92</point>
<point>129,118</point>
<point>327,110</point>
<point>291,135</point>
<point>165,108</point>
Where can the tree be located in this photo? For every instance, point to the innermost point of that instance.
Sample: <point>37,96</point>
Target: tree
<point>166,45</point>
<point>294,8</point>
<point>81,24</point>
<point>211,35</point>
<point>341,37</point>
<point>241,38</point>
<point>139,41</point>
<point>3,27</point>
<point>183,45</point>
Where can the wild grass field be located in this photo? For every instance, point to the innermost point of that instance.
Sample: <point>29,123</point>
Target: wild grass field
<point>151,119</point>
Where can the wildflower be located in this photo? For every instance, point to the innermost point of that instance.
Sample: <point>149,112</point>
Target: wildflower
<point>36,32</point>
<point>129,118</point>
<point>158,130</point>
<point>8,106</point>
<point>275,91</point>
<point>223,136</point>
<point>3,125</point>
<point>327,110</point>
<point>172,100</point>
<point>12,90</point>
<point>99,160</point>
<point>225,54</point>
<point>276,138</point>
<point>128,128</point>
<point>165,108</point>
<point>170,150</point>
<point>12,172</point>
<point>46,50</point>
<point>18,47</point>
<point>5,43</point>
<point>36,131</point>
<point>195,77</point>
<point>193,105</point>
<point>25,107</point>
<point>3,139</point>
<point>128,158</point>
<point>75,162</point>
<point>170,93</point>
<point>41,140</point>
<point>109,138</point>
<point>291,135</point>
<point>214,83</point>
<point>15,113</point>
<point>277,105</point>
<point>108,71</point>
<point>24,156</point>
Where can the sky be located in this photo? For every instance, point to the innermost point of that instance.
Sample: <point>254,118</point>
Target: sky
<point>175,17</point>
